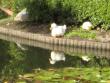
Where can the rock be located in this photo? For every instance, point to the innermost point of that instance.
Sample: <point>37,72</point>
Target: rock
<point>22,16</point>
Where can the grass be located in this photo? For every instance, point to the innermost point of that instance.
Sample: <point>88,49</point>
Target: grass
<point>81,33</point>
<point>6,20</point>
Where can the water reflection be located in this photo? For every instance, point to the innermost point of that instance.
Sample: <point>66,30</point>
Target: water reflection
<point>69,49</point>
<point>85,58</point>
<point>21,46</point>
<point>15,61</point>
<point>56,56</point>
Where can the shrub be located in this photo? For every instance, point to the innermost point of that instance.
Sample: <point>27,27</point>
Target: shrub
<point>51,10</point>
<point>18,5</point>
<point>64,11</point>
<point>70,11</point>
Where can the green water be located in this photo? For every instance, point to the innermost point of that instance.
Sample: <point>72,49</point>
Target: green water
<point>25,64</point>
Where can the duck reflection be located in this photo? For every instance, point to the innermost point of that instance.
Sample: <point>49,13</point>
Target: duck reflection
<point>21,46</point>
<point>86,58</point>
<point>56,56</point>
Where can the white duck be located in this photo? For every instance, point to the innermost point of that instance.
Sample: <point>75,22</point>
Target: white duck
<point>85,58</point>
<point>57,31</point>
<point>56,56</point>
<point>87,25</point>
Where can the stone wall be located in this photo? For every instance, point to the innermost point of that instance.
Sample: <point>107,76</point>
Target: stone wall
<point>55,41</point>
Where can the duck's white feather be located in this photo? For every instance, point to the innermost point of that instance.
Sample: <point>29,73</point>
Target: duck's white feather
<point>57,30</point>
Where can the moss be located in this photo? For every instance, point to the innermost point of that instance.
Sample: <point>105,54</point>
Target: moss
<point>81,33</point>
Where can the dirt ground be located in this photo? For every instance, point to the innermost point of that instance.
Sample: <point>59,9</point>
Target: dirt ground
<point>26,26</point>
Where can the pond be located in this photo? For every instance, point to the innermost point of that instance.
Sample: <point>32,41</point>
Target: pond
<point>28,64</point>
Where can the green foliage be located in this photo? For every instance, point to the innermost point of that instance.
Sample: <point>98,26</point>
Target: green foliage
<point>18,5</point>
<point>11,60</point>
<point>81,33</point>
<point>6,3</point>
<point>51,10</point>
<point>70,11</point>
<point>15,53</point>
<point>64,11</point>
<point>14,5</point>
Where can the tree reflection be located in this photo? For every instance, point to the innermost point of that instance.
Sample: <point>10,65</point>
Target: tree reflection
<point>14,61</point>
<point>20,61</point>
